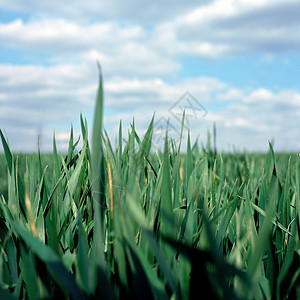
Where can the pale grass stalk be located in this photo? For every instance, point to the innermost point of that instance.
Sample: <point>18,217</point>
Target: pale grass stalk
<point>30,215</point>
<point>110,190</point>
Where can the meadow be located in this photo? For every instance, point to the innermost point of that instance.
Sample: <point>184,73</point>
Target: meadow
<point>126,222</point>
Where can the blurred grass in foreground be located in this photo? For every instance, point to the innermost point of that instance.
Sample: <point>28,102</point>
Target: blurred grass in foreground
<point>132,224</point>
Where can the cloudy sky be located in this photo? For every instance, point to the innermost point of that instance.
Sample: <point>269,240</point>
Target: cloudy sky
<point>232,62</point>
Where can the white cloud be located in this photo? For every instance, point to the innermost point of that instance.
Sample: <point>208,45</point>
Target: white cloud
<point>259,116</point>
<point>260,95</point>
<point>149,12</point>
<point>59,35</point>
<point>248,120</point>
<point>227,27</point>
<point>212,30</point>
<point>140,62</point>
<point>230,95</point>
<point>39,98</point>
<point>35,97</point>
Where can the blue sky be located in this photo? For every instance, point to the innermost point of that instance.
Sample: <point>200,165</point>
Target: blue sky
<point>238,58</point>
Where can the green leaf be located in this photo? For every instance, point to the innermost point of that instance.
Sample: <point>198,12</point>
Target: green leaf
<point>120,146</point>
<point>274,221</point>
<point>71,147</point>
<point>82,261</point>
<point>97,152</point>
<point>98,185</point>
<point>6,295</point>
<point>166,196</point>
<point>83,128</point>
<point>28,268</point>
<point>11,251</point>
<point>145,145</point>
<point>57,270</point>
<point>74,183</point>
<point>188,161</point>
<point>8,154</point>
<point>144,279</point>
<point>265,231</point>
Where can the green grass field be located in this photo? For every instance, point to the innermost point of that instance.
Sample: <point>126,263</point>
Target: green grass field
<point>127,223</point>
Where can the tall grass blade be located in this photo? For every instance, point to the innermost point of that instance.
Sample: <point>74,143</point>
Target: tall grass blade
<point>8,154</point>
<point>98,189</point>
<point>166,205</point>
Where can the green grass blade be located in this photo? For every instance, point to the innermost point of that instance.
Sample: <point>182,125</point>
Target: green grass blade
<point>265,231</point>
<point>145,279</point>
<point>55,266</point>
<point>97,153</point>
<point>98,187</point>
<point>188,161</point>
<point>82,261</point>
<point>28,268</point>
<point>8,154</point>
<point>166,204</point>
<point>274,221</point>
<point>6,295</point>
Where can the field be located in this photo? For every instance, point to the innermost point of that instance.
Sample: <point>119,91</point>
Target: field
<point>126,222</point>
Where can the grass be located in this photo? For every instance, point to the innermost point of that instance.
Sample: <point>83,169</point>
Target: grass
<point>126,223</point>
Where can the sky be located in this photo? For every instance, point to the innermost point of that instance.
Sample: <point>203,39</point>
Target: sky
<point>233,63</point>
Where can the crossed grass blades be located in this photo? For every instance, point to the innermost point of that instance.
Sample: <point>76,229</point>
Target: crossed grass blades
<point>131,223</point>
